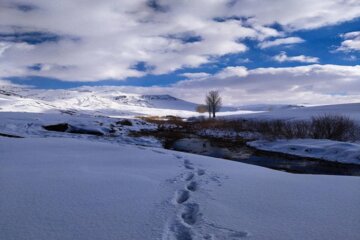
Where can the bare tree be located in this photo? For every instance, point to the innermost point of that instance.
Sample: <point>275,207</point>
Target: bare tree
<point>213,102</point>
<point>201,108</point>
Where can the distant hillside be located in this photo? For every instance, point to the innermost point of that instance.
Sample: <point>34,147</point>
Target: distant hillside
<point>269,107</point>
<point>351,110</point>
<point>92,100</point>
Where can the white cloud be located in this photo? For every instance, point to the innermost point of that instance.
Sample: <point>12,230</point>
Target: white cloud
<point>351,42</point>
<point>3,47</point>
<point>315,84</point>
<point>283,57</point>
<point>106,39</point>
<point>238,71</point>
<point>296,15</point>
<point>8,83</point>
<point>196,75</point>
<point>350,35</point>
<point>281,41</point>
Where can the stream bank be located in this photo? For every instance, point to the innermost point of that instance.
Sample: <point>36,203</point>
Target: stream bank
<point>236,150</point>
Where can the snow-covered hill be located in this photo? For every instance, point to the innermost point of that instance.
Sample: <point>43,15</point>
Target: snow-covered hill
<point>110,101</point>
<point>95,100</point>
<point>351,110</point>
<point>93,180</point>
<point>268,107</point>
<point>58,188</point>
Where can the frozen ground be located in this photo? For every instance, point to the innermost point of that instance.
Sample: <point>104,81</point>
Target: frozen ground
<point>315,148</point>
<point>58,188</point>
<point>60,185</point>
<point>351,110</point>
<point>105,101</point>
<point>112,101</point>
<point>25,124</point>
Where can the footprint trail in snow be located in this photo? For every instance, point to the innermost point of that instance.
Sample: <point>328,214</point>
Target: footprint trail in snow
<point>187,224</point>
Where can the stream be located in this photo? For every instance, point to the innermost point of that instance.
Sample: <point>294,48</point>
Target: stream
<point>240,152</point>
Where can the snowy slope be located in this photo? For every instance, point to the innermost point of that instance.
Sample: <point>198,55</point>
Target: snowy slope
<point>268,107</point>
<point>61,185</point>
<point>94,100</point>
<point>56,188</point>
<point>351,110</point>
<point>30,125</point>
<point>329,150</point>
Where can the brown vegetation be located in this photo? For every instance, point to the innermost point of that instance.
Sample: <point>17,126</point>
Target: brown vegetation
<point>334,127</point>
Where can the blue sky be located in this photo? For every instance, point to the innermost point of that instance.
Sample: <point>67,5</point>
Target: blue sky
<point>258,48</point>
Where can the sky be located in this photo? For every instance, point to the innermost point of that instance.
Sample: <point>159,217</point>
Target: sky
<point>252,51</point>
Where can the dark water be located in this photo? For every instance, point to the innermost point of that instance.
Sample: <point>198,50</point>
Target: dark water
<point>244,154</point>
<point>304,166</point>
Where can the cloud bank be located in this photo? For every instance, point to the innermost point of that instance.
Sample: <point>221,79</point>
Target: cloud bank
<point>96,40</point>
<point>320,84</point>
<point>75,40</point>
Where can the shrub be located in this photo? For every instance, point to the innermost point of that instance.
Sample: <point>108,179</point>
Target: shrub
<point>172,118</point>
<point>201,108</point>
<point>335,127</point>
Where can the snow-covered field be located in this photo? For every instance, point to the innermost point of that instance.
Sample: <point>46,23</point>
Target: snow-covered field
<point>315,148</point>
<point>61,185</point>
<point>351,110</point>
<point>104,101</point>
<point>57,188</point>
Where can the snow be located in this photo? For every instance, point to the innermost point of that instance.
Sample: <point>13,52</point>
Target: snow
<point>61,185</point>
<point>113,102</point>
<point>314,148</point>
<point>352,110</point>
<point>105,101</point>
<point>31,125</point>
<point>268,107</point>
<point>58,188</point>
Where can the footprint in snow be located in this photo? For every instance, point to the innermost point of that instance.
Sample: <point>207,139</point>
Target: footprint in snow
<point>188,164</point>
<point>188,176</point>
<point>177,231</point>
<point>191,186</point>
<point>178,157</point>
<point>182,196</point>
<point>190,213</point>
<point>200,172</point>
